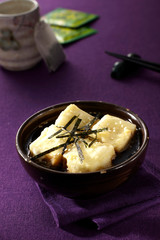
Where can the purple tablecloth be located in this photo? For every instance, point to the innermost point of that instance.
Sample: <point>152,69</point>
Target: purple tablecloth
<point>123,27</point>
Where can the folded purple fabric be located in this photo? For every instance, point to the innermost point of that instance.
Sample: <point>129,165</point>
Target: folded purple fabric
<point>135,195</point>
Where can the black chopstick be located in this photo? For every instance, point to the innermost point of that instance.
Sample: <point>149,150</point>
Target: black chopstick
<point>146,64</point>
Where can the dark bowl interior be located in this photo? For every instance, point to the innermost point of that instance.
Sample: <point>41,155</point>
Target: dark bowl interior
<point>77,185</point>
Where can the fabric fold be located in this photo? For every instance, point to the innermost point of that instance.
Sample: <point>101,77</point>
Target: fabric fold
<point>138,193</point>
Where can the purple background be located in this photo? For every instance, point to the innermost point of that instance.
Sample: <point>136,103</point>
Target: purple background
<point>123,27</point>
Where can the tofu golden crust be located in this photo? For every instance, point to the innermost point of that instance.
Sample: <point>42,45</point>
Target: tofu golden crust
<point>98,156</point>
<point>43,143</point>
<point>119,132</point>
<point>69,112</point>
<point>114,136</point>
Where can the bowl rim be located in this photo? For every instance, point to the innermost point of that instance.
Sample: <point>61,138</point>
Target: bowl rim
<point>105,170</point>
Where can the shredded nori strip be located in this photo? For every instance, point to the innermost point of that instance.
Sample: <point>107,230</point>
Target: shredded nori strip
<point>48,151</point>
<point>79,150</point>
<point>90,124</point>
<point>73,136</point>
<point>93,141</point>
<point>83,134</point>
<point>65,127</point>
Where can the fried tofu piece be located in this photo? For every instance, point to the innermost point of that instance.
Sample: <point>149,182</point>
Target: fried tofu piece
<point>119,132</point>
<point>43,143</point>
<point>71,111</point>
<point>98,156</point>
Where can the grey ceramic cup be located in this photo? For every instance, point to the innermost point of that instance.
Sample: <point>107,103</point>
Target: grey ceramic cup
<point>17,46</point>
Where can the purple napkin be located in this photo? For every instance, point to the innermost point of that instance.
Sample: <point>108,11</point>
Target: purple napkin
<point>135,195</point>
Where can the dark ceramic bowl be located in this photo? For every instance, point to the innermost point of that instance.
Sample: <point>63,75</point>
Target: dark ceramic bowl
<point>76,185</point>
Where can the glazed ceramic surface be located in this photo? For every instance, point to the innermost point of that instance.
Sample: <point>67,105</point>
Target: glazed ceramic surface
<point>17,46</point>
<point>82,184</point>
